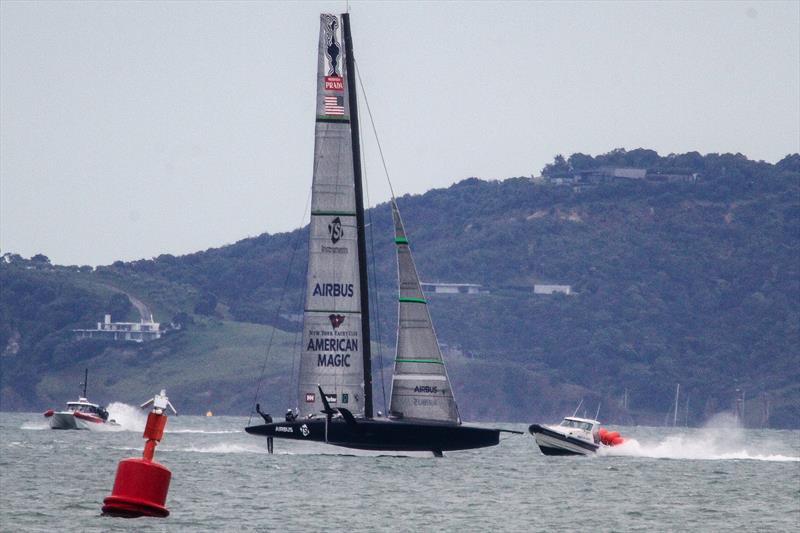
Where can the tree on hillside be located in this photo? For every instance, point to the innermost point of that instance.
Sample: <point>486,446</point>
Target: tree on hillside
<point>558,167</point>
<point>790,163</point>
<point>580,161</point>
<point>119,306</point>
<point>207,304</point>
<point>40,260</point>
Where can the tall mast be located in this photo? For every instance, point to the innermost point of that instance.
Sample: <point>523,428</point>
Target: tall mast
<point>362,239</point>
<point>85,380</point>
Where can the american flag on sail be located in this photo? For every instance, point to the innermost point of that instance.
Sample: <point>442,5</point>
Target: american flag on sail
<point>334,105</point>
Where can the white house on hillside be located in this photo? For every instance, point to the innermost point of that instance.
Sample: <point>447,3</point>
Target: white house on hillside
<point>141,331</point>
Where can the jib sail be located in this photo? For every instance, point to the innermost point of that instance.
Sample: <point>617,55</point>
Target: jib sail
<point>420,386</point>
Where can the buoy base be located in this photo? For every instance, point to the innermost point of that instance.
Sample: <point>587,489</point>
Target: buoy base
<point>125,508</point>
<point>140,489</point>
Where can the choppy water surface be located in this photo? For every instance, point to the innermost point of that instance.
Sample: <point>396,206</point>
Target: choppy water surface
<point>223,480</point>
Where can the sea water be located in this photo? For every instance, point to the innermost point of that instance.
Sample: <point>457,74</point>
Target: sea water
<point>712,479</point>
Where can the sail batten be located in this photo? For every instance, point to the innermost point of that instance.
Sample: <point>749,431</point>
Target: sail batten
<point>421,388</point>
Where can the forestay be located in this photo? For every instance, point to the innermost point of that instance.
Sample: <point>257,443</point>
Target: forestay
<point>420,386</point>
<point>332,349</point>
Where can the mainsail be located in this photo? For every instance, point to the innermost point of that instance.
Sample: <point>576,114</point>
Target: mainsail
<point>332,329</point>
<point>420,386</point>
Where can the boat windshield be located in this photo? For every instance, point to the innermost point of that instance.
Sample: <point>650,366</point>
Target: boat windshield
<point>576,424</point>
<point>82,408</point>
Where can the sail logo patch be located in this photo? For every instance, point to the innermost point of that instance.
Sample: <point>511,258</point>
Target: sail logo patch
<point>333,360</point>
<point>426,389</point>
<point>344,290</point>
<point>310,397</point>
<point>332,345</point>
<point>336,320</point>
<point>334,105</point>
<point>331,398</point>
<point>335,230</point>
<point>334,83</point>
<point>334,250</point>
<point>332,49</point>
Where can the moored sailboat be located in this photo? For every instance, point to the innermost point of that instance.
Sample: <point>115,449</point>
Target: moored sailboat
<point>335,378</point>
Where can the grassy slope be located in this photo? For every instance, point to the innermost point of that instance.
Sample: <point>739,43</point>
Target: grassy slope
<point>214,365</point>
<point>164,298</point>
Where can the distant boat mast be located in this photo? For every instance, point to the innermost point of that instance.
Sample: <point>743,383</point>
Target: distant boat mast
<point>677,395</point>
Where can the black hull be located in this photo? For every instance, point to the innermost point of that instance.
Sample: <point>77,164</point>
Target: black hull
<point>547,450</point>
<point>382,434</point>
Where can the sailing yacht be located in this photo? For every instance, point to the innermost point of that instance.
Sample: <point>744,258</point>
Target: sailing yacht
<point>335,381</point>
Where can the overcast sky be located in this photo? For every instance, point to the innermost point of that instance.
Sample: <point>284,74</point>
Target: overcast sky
<point>128,130</point>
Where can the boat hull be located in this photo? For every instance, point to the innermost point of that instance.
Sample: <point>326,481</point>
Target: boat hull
<point>554,443</point>
<point>66,421</point>
<point>382,434</point>
<point>71,420</point>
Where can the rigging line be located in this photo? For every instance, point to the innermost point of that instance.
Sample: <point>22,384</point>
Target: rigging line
<point>295,353</point>
<point>298,346</point>
<point>280,305</point>
<point>372,246</point>
<point>374,129</point>
<point>376,297</point>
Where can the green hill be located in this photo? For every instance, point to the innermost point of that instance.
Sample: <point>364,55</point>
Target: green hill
<point>693,281</point>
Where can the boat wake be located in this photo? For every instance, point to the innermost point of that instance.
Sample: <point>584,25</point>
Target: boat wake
<point>309,449</point>
<point>129,417</point>
<point>721,439</point>
<point>220,448</point>
<point>205,431</point>
<point>681,447</point>
<point>34,426</point>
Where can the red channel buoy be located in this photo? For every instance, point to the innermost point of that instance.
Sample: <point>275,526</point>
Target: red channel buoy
<point>141,485</point>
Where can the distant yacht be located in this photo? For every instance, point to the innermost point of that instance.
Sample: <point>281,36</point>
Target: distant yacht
<point>80,414</point>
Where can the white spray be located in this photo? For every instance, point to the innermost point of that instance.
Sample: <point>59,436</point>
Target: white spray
<point>129,417</point>
<point>720,439</point>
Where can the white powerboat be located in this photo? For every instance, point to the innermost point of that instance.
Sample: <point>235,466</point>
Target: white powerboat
<point>80,414</point>
<point>573,436</point>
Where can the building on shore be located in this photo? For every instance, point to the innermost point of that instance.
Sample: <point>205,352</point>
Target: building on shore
<point>583,179</point>
<point>452,288</point>
<point>141,331</point>
<point>552,289</point>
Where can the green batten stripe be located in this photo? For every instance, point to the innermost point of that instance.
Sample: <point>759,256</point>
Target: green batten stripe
<point>434,361</point>
<point>334,120</point>
<point>333,213</point>
<point>415,300</point>
<point>328,311</point>
<point>400,240</point>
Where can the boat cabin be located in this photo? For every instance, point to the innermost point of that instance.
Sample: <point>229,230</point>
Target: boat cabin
<point>83,406</point>
<point>573,425</point>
